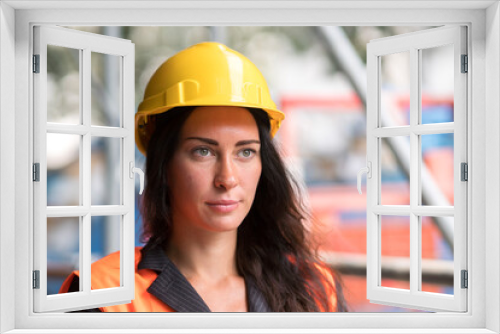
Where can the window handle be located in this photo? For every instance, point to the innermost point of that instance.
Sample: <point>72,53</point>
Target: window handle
<point>133,170</point>
<point>368,171</point>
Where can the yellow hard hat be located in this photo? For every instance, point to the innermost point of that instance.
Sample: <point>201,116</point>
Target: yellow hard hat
<point>205,74</point>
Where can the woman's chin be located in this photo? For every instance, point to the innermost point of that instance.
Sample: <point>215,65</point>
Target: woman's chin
<point>223,221</point>
<point>223,224</point>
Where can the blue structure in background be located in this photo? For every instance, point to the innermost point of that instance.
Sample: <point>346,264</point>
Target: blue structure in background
<point>437,114</point>
<point>138,224</point>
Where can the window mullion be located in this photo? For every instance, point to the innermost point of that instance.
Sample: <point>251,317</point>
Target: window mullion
<point>432,129</point>
<point>85,160</point>
<point>414,170</point>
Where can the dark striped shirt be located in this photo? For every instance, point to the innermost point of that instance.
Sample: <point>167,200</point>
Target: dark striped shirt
<point>172,287</point>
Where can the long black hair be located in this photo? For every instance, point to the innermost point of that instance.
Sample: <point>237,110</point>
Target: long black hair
<point>273,246</point>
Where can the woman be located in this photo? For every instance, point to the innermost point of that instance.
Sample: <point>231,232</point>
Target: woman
<point>224,224</point>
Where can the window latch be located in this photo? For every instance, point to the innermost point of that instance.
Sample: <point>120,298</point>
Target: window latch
<point>368,171</point>
<point>134,170</point>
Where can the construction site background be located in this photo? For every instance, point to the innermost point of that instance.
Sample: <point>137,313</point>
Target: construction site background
<point>323,141</point>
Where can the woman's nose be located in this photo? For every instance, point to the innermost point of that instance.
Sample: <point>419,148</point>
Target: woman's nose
<point>225,176</point>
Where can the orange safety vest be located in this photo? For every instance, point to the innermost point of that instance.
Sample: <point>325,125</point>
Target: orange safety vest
<point>106,274</point>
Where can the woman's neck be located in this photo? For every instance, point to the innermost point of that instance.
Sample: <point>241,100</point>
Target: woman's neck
<point>203,254</point>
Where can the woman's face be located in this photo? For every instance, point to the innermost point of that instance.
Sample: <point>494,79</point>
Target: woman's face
<point>214,172</point>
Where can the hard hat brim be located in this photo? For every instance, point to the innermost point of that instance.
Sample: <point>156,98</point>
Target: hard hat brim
<point>142,122</point>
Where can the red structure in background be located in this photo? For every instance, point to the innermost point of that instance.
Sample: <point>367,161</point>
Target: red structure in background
<point>339,211</point>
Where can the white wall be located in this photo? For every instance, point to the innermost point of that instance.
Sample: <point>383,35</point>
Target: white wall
<point>492,165</point>
<point>7,40</point>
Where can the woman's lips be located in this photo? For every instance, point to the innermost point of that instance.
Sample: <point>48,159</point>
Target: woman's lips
<point>223,206</point>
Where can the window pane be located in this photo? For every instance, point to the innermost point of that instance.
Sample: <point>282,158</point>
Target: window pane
<point>63,245</point>
<point>394,180</point>
<point>105,240</point>
<point>106,171</point>
<point>63,169</point>
<point>437,254</point>
<point>438,82</point>
<point>395,251</point>
<point>106,89</point>
<point>395,88</point>
<point>63,85</point>
<point>437,155</point>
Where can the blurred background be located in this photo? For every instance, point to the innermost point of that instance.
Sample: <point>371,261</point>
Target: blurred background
<point>316,78</point>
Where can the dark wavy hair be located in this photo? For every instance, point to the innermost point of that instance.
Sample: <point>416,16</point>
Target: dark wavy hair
<point>273,246</point>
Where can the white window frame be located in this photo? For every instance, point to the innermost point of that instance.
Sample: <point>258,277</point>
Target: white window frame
<point>380,127</point>
<point>124,51</point>
<point>16,216</point>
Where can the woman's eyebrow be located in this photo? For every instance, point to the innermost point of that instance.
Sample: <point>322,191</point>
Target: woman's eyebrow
<point>246,142</point>
<point>215,143</point>
<point>206,140</point>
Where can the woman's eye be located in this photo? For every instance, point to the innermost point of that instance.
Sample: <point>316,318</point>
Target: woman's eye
<point>203,152</point>
<point>247,153</point>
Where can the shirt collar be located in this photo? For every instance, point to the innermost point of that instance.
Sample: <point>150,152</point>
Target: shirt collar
<point>172,288</point>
